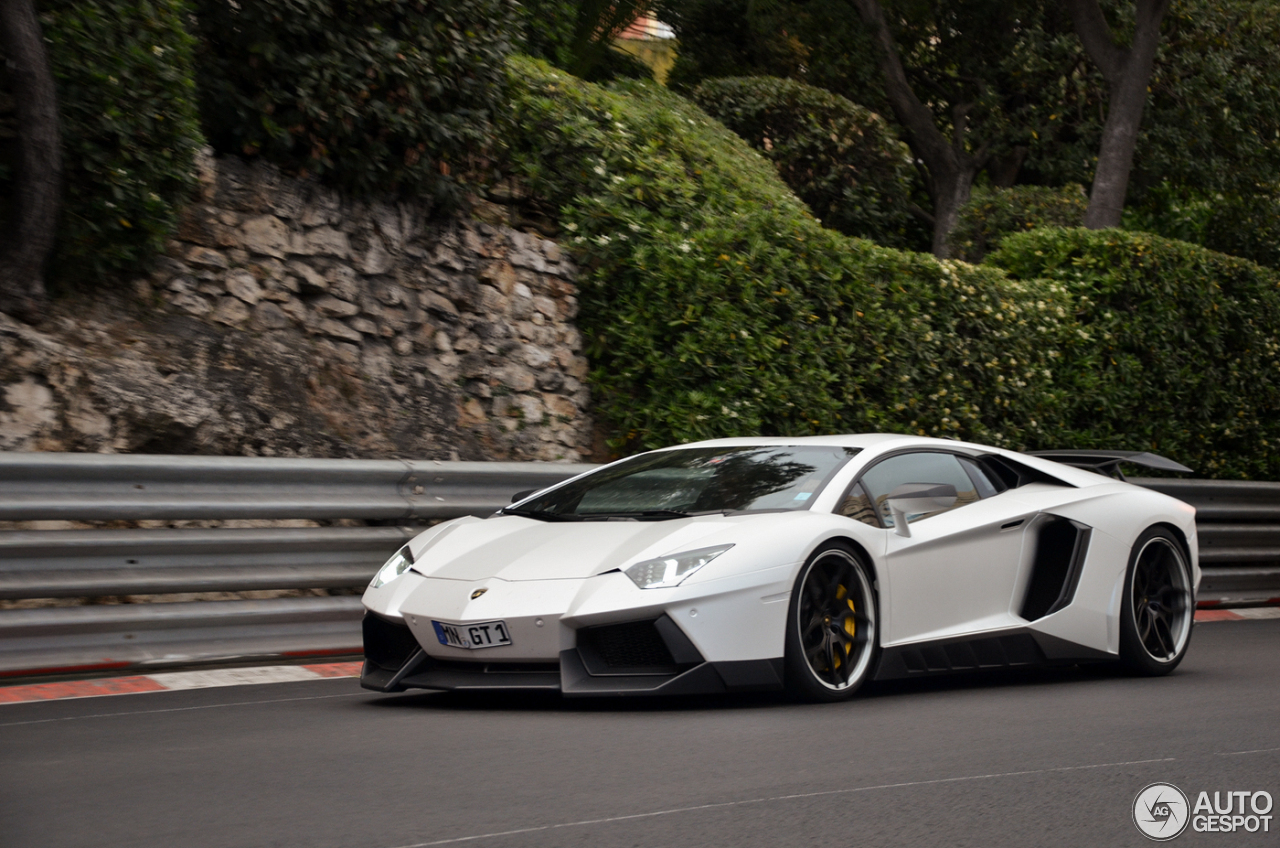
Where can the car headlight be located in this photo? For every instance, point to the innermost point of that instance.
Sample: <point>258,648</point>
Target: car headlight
<point>397,565</point>
<point>668,571</point>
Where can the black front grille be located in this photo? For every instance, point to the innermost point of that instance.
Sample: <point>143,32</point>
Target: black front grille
<point>386,644</point>
<point>634,645</point>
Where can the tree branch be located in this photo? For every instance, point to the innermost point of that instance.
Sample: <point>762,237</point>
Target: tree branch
<point>1095,33</point>
<point>1146,36</point>
<point>921,214</point>
<point>910,112</point>
<point>950,168</point>
<point>1128,73</point>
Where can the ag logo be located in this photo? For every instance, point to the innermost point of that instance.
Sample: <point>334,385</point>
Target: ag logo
<point>1161,812</point>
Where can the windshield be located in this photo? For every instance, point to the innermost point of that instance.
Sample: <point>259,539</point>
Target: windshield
<point>693,481</point>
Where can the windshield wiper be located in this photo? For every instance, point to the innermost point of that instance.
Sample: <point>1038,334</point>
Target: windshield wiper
<point>540,515</point>
<point>638,515</point>
<point>653,513</point>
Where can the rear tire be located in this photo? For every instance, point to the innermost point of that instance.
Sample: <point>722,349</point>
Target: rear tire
<point>1159,605</point>
<point>832,626</point>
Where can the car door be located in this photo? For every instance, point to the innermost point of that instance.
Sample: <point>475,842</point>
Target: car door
<point>958,569</point>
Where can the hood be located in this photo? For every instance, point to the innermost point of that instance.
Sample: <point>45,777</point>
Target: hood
<point>514,548</point>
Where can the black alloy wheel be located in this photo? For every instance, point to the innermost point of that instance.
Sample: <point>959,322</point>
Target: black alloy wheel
<point>831,626</point>
<point>1159,604</point>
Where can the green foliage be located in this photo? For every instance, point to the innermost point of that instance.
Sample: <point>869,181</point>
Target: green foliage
<point>993,213</point>
<point>1030,95</point>
<point>722,38</point>
<point>574,36</point>
<point>547,29</point>
<point>1173,348</point>
<point>126,102</point>
<point>1248,227</point>
<point>713,304</point>
<point>989,60</point>
<point>373,96</point>
<point>841,159</point>
<point>1173,212</point>
<point>614,64</point>
<point>1212,121</point>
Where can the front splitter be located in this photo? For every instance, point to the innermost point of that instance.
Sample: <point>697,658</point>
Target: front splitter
<point>572,679</point>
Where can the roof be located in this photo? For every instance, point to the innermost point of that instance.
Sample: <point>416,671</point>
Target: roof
<point>849,440</point>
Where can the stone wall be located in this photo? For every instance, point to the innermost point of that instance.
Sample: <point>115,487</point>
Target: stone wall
<point>287,320</point>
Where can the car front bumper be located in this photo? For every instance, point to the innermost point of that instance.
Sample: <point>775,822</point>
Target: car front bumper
<point>600,635</point>
<point>650,657</point>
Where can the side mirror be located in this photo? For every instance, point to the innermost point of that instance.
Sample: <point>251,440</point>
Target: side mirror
<point>519,496</point>
<point>915,498</point>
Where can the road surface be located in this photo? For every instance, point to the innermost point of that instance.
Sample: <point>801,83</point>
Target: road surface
<point>1021,759</point>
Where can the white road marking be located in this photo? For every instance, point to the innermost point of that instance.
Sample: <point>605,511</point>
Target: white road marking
<point>233,676</point>
<point>798,796</point>
<point>1258,612</point>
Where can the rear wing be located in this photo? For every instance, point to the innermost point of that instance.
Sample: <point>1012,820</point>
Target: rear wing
<point>1108,461</point>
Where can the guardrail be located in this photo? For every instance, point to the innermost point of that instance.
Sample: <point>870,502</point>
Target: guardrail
<point>105,487</point>
<point>1239,528</point>
<point>110,563</point>
<point>95,563</point>
<point>1238,522</point>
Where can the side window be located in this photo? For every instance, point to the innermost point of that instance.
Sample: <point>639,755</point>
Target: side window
<point>857,505</point>
<point>884,477</point>
<point>986,486</point>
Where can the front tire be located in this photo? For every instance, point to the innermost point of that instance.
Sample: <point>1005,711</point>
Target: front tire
<point>1159,604</point>
<point>832,626</point>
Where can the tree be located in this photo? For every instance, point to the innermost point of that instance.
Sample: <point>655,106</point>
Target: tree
<point>951,163</point>
<point>958,98</point>
<point>35,202</point>
<point>1209,127</point>
<point>1209,131</point>
<point>1127,71</point>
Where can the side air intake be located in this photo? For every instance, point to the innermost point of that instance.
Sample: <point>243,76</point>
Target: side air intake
<point>656,646</point>
<point>1061,546</point>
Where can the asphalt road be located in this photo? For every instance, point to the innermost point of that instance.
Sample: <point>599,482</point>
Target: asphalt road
<point>1028,759</point>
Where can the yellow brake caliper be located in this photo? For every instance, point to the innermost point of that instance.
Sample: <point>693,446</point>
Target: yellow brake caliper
<point>850,626</point>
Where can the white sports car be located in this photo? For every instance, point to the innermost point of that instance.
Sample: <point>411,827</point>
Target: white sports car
<point>811,564</point>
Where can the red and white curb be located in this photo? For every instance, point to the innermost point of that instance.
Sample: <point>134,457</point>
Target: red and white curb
<point>1243,614</point>
<point>172,680</point>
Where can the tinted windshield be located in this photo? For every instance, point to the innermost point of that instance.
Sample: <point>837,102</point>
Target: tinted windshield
<point>668,484</point>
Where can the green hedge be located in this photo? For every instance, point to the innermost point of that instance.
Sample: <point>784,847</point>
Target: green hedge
<point>1173,348</point>
<point>126,102</point>
<point>993,213</point>
<point>841,159</point>
<point>373,96</point>
<point>713,304</point>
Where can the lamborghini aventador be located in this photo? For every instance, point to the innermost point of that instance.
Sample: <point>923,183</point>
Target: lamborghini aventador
<point>810,564</point>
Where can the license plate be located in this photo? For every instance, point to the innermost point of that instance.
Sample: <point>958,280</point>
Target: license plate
<point>483,634</point>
